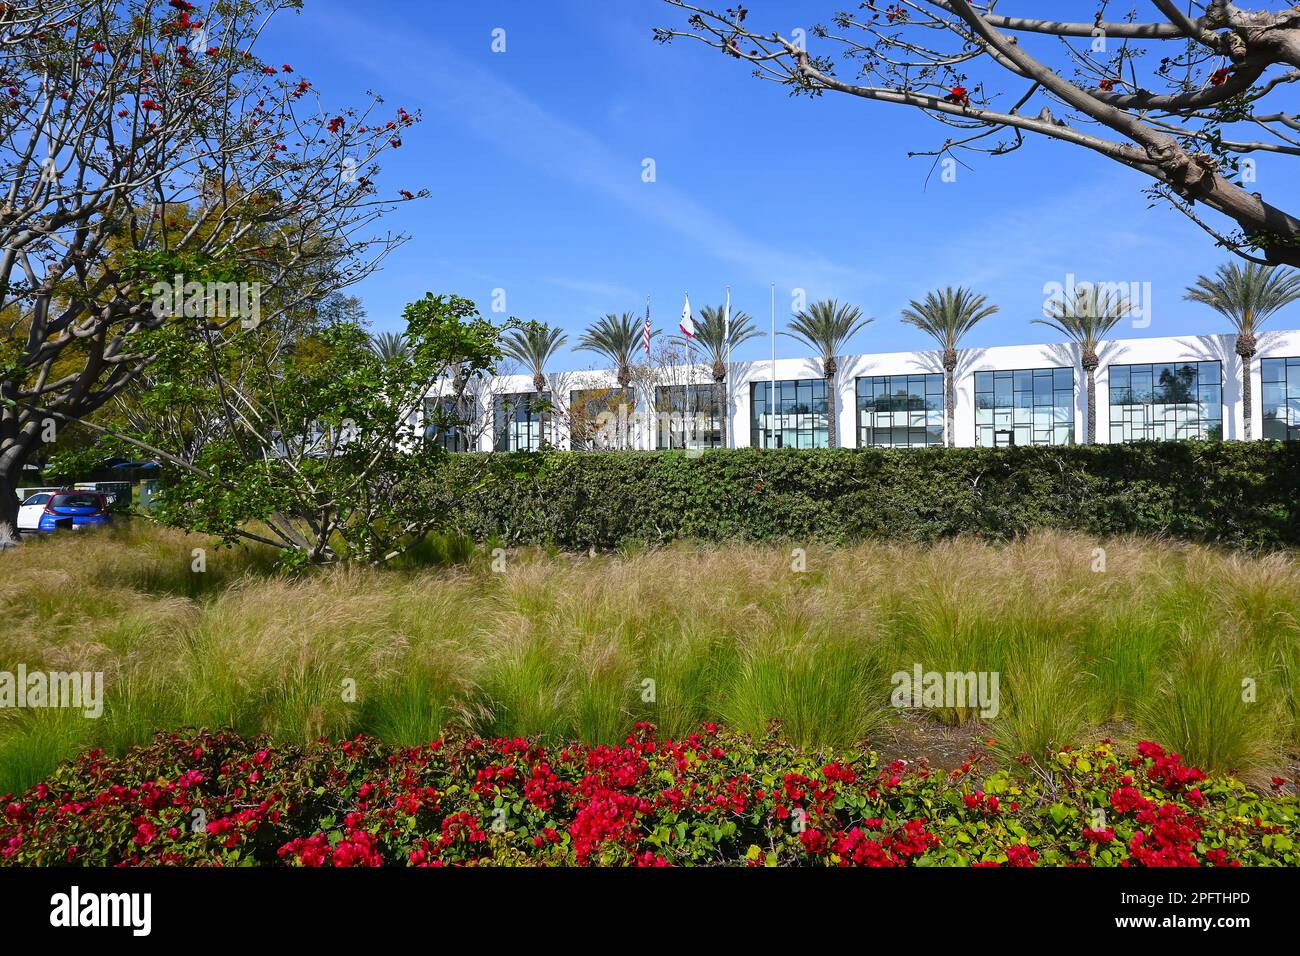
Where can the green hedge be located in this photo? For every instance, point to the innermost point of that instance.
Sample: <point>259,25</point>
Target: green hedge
<point>1242,494</point>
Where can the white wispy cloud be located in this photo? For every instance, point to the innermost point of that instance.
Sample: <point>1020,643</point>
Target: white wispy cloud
<point>515,124</point>
<point>593,288</point>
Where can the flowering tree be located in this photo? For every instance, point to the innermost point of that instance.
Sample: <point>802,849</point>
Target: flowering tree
<point>316,449</point>
<point>147,157</point>
<point>1183,99</point>
<point>312,443</point>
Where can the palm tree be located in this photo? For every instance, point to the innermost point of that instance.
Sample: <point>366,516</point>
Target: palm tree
<point>946,317</point>
<point>711,334</point>
<point>390,345</point>
<point>617,337</point>
<point>1086,315</point>
<point>1247,297</point>
<point>534,347</point>
<point>825,327</point>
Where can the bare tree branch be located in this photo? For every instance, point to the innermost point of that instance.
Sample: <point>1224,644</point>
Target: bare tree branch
<point>1183,123</point>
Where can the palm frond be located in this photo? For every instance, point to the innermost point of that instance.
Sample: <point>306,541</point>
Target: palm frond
<point>1087,314</point>
<point>711,332</point>
<point>826,326</point>
<point>947,315</point>
<point>390,345</point>
<point>534,346</point>
<point>1247,296</point>
<point>617,337</point>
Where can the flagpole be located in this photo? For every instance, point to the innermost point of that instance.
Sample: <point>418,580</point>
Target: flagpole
<point>687,431</point>
<point>771,407</point>
<point>650,435</point>
<point>726,387</point>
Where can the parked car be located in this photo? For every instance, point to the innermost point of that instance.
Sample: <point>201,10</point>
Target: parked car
<point>52,510</point>
<point>31,510</point>
<point>147,466</point>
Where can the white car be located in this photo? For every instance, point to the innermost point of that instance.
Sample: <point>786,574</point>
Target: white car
<point>30,511</point>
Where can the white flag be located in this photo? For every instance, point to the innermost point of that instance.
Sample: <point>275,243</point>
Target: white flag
<point>687,323</point>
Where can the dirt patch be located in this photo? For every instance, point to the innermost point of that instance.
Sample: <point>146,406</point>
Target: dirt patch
<point>914,736</point>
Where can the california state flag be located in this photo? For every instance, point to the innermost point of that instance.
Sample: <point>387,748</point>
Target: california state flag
<point>687,323</point>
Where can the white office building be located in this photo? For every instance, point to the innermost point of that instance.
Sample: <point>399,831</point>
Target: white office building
<point>1150,388</point>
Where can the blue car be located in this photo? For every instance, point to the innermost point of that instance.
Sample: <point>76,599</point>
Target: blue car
<point>74,509</point>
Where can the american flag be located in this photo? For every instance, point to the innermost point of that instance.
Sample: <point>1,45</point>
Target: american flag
<point>645,335</point>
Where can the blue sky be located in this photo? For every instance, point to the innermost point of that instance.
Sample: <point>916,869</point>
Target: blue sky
<point>534,157</point>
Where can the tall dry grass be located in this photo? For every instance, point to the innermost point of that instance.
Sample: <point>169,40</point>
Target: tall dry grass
<point>1165,641</point>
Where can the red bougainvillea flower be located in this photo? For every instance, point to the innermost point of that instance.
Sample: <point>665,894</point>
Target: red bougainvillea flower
<point>648,801</point>
<point>144,833</point>
<point>1169,772</point>
<point>1170,839</point>
<point>1219,857</point>
<point>1150,749</point>
<point>1128,800</point>
<point>814,841</point>
<point>1020,855</point>
<point>312,851</point>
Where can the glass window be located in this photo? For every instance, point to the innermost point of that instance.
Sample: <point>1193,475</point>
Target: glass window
<point>1024,407</point>
<point>1166,401</point>
<point>76,501</point>
<point>447,421</point>
<point>799,419</point>
<point>688,416</point>
<point>900,411</point>
<point>1281,399</point>
<point>520,421</point>
<point>600,419</point>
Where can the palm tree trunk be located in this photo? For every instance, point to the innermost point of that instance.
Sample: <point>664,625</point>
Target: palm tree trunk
<point>625,419</point>
<point>539,386</point>
<point>724,417</point>
<point>1248,406</point>
<point>832,438</point>
<point>949,401</point>
<point>1092,407</point>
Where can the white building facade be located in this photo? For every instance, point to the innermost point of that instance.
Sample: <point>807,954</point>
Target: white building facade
<point>1148,388</point>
